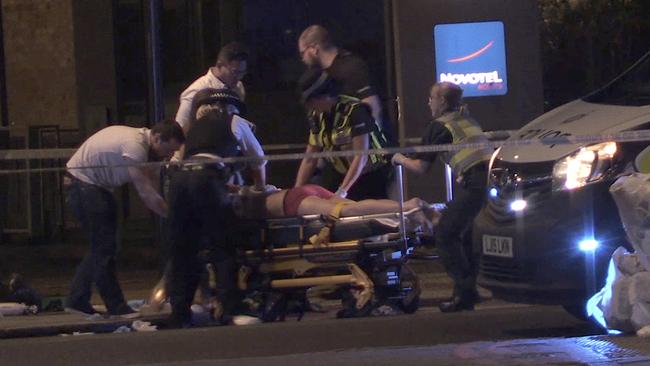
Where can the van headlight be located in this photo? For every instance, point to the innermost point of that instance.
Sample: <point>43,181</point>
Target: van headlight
<point>586,165</point>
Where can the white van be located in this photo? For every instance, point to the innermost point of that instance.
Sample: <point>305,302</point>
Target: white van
<point>549,217</point>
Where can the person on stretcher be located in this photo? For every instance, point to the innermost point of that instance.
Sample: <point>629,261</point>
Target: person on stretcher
<point>312,199</point>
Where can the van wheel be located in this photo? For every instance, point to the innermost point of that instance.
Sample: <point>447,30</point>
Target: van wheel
<point>577,310</point>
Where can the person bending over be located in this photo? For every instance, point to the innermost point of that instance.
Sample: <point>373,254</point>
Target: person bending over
<point>106,160</point>
<point>340,123</point>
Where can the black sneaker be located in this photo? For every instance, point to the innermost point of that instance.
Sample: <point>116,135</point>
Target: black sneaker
<point>123,310</point>
<point>460,303</point>
<point>85,309</point>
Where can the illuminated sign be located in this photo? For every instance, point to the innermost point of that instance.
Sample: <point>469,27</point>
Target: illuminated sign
<point>472,55</point>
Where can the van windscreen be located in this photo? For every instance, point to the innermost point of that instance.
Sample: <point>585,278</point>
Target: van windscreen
<point>632,88</point>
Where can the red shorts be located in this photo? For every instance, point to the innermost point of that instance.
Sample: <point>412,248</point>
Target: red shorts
<point>296,195</point>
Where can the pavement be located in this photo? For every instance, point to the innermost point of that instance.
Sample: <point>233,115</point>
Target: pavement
<point>551,351</point>
<point>137,282</point>
<point>49,268</point>
<point>137,286</point>
<point>490,335</point>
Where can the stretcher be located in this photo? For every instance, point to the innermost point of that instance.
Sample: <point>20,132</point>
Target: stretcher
<point>361,260</point>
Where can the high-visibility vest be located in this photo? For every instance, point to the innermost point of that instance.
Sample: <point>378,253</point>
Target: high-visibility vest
<point>333,132</point>
<point>464,130</point>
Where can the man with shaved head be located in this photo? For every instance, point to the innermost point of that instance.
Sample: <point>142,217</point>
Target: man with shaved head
<point>317,50</point>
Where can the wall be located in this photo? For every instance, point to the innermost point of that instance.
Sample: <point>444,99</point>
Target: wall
<point>415,68</point>
<point>59,63</point>
<point>40,63</point>
<point>95,63</point>
<point>60,72</point>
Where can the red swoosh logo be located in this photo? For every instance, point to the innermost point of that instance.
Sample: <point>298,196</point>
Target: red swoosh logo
<point>472,55</point>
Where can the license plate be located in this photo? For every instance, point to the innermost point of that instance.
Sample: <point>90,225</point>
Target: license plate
<point>498,246</point>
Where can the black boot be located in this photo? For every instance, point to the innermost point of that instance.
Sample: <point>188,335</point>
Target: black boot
<point>459,303</point>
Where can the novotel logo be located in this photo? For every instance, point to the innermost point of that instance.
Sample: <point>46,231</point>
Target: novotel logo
<point>473,78</point>
<point>472,55</point>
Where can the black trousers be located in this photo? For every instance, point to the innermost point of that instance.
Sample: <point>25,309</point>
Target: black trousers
<point>453,236</point>
<point>200,218</point>
<point>96,209</point>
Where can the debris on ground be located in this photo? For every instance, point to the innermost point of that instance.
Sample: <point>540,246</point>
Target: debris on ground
<point>142,326</point>
<point>16,308</point>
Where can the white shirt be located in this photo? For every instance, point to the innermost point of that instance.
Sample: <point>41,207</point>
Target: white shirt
<point>248,143</point>
<point>183,115</point>
<point>109,148</point>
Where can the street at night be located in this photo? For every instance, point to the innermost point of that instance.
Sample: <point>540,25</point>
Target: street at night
<point>324,182</point>
<point>426,337</point>
<point>496,333</point>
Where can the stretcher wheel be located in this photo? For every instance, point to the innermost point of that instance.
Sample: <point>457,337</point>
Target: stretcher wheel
<point>275,308</point>
<point>350,310</point>
<point>411,306</point>
<point>410,284</point>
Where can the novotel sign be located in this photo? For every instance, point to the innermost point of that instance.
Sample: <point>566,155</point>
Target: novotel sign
<point>472,55</point>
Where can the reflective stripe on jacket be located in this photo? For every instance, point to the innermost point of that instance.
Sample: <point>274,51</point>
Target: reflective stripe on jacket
<point>463,130</point>
<point>333,132</point>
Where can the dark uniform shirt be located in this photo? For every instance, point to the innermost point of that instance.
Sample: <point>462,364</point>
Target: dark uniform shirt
<point>351,74</point>
<point>212,134</point>
<point>334,131</point>
<point>435,134</point>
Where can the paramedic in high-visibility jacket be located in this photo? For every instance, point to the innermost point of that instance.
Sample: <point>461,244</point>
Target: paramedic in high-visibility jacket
<point>342,123</point>
<point>452,125</point>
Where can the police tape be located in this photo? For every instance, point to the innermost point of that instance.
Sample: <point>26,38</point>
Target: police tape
<point>44,154</point>
<point>547,140</point>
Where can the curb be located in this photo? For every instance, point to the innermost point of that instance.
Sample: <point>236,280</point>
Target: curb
<point>73,326</point>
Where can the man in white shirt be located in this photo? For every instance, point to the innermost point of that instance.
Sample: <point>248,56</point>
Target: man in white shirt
<point>227,73</point>
<point>107,160</point>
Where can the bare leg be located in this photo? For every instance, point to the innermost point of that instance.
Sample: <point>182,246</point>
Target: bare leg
<point>422,220</point>
<point>315,205</point>
<point>369,207</point>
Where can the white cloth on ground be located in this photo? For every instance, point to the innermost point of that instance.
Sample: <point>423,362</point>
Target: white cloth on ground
<point>624,302</point>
